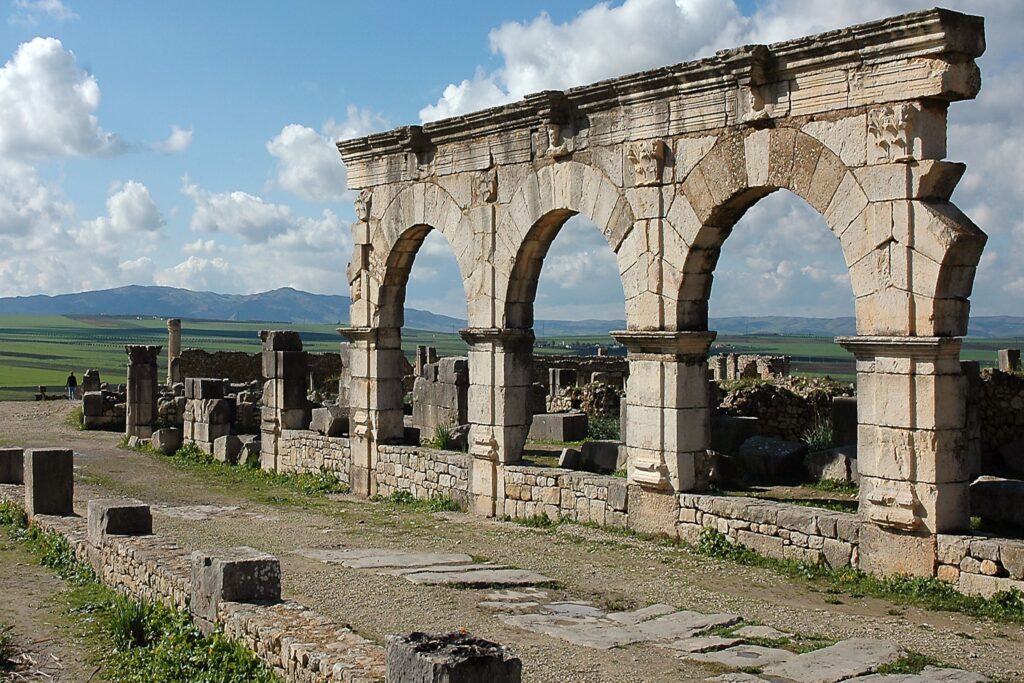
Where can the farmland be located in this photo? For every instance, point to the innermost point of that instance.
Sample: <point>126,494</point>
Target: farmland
<point>40,350</point>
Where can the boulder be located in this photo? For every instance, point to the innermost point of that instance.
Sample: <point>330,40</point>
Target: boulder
<point>766,459</point>
<point>167,441</point>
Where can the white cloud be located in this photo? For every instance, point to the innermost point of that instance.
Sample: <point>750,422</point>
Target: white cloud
<point>132,218</point>
<point>199,274</point>
<point>179,140</point>
<point>48,105</point>
<point>32,11</point>
<point>308,163</point>
<point>200,247</point>
<point>239,213</point>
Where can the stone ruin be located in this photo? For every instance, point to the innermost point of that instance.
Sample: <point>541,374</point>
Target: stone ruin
<point>731,366</point>
<point>440,393</point>
<point>665,162</point>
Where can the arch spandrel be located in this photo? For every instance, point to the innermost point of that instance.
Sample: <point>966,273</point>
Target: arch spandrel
<point>911,259</point>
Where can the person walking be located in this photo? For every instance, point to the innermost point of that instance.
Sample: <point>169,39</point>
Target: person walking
<point>72,385</point>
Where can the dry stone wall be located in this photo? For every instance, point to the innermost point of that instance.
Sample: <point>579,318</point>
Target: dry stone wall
<point>301,450</point>
<point>558,493</point>
<point>1001,409</point>
<point>981,566</point>
<point>425,473</point>
<point>786,407</point>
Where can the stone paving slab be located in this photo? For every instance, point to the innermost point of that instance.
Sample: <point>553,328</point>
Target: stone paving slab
<point>642,614</point>
<point>404,571</point>
<point>583,631</point>
<point>684,624</point>
<point>736,677</point>
<point>766,632</point>
<point>703,644</point>
<point>845,659</point>
<point>929,674</point>
<point>479,577</point>
<point>744,656</point>
<point>378,558</point>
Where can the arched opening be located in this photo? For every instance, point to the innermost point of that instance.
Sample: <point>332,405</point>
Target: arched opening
<point>422,308</point>
<point>566,287</point>
<point>785,422</point>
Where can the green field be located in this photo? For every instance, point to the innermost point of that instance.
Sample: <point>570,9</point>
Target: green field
<point>40,350</point>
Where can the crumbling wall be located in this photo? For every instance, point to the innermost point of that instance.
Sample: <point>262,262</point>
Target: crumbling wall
<point>440,394</point>
<point>239,366</point>
<point>731,366</point>
<point>1001,409</point>
<point>786,408</point>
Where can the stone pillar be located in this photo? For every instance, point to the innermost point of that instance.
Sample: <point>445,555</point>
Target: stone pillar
<point>49,481</point>
<point>911,452</point>
<point>173,351</point>
<point>142,390</point>
<point>500,386</point>
<point>284,391</point>
<point>667,407</point>
<point>1009,360</point>
<point>375,399</point>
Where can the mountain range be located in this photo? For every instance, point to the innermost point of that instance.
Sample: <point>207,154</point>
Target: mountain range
<point>291,305</point>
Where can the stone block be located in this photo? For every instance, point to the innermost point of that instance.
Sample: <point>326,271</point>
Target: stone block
<point>600,456</point>
<point>167,440</point>
<point>92,403</point>
<point>767,459</point>
<point>330,421</point>
<point>728,432</point>
<point>1009,360</point>
<point>281,340</point>
<point>119,518</point>
<point>208,433</point>
<point>618,496</point>
<point>203,388</point>
<point>569,459</point>
<point>449,658</point>
<point>559,427</point>
<point>49,481</point>
<point>998,500</point>
<point>215,411</point>
<point>284,364</point>
<point>239,574</point>
<point>226,449</point>
<point>12,466</point>
<point>839,464</point>
<point>453,370</point>
<point>250,451</point>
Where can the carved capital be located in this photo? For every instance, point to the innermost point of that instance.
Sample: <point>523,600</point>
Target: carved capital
<point>890,128</point>
<point>648,158</point>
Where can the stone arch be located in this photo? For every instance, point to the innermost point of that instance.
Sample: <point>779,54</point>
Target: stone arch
<point>539,207</point>
<point>397,235</point>
<point>910,253</point>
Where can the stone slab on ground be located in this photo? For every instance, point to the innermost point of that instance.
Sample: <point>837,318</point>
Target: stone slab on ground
<point>585,632</point>
<point>403,571</point>
<point>479,577</point>
<point>766,632</point>
<point>684,624</point>
<point>929,674</point>
<point>845,659</point>
<point>744,656</point>
<point>736,677</point>
<point>379,558</point>
<point>642,614</point>
<point>703,644</point>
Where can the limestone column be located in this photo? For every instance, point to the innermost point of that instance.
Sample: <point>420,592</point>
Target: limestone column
<point>173,351</point>
<point>669,417</point>
<point>501,381</point>
<point>141,397</point>
<point>375,399</point>
<point>284,391</point>
<point>911,453</point>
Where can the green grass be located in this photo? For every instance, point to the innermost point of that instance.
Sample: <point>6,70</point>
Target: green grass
<point>405,499</point>
<point>911,663</point>
<point>76,419</point>
<point>834,486</point>
<point>140,642</point>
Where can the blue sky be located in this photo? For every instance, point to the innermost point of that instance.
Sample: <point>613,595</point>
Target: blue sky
<point>189,143</point>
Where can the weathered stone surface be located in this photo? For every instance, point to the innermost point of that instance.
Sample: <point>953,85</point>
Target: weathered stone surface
<point>226,449</point>
<point>232,574</point>
<point>836,464</point>
<point>49,481</point>
<point>600,456</point>
<point>167,440</point>
<point>569,459</point>
<point>452,658</point>
<point>12,466</point>
<point>330,421</point>
<point>761,632</point>
<point>743,656</point>
<point>929,674</point>
<point>118,517</point>
<point>479,577</point>
<point>559,427</point>
<point>845,659</point>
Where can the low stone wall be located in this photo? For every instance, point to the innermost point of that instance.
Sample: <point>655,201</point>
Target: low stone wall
<point>785,407</point>
<point>299,644</point>
<point>779,530</point>
<point>239,366</point>
<point>302,450</point>
<point>1000,409</point>
<point>981,566</point>
<point>424,472</point>
<point>557,493</point>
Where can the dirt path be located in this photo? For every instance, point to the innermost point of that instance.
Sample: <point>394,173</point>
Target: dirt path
<point>47,645</point>
<point>608,569</point>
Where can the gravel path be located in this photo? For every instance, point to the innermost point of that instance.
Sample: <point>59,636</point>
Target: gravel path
<point>611,570</point>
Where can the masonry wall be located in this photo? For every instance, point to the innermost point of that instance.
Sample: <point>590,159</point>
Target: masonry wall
<point>239,366</point>
<point>1000,409</point>
<point>301,450</point>
<point>424,472</point>
<point>556,493</point>
<point>981,566</point>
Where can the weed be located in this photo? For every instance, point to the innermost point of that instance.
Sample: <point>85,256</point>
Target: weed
<point>76,419</point>
<point>602,427</point>
<point>620,473</point>
<point>910,663</point>
<point>128,623</point>
<point>820,436</point>
<point>834,486</point>
<point>13,517</point>
<point>444,438</point>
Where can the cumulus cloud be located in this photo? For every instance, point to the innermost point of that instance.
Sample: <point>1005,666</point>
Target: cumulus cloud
<point>179,140</point>
<point>132,215</point>
<point>48,105</point>
<point>32,11</point>
<point>239,213</point>
<point>308,164</point>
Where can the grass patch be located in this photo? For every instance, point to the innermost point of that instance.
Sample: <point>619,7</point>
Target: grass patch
<point>928,593</point>
<point>910,663</point>
<point>848,488</point>
<point>140,642</point>
<point>76,419</point>
<point>820,435</point>
<point>833,505</point>
<point>443,438</point>
<point>405,499</point>
<point>602,427</point>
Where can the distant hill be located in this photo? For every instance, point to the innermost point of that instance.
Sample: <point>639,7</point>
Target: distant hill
<point>291,305</point>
